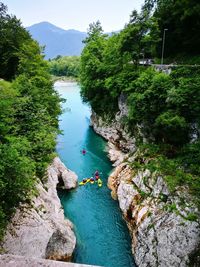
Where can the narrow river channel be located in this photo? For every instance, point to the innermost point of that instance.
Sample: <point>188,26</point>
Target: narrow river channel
<point>102,234</point>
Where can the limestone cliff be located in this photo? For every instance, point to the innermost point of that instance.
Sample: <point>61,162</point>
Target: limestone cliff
<point>159,222</point>
<point>39,229</point>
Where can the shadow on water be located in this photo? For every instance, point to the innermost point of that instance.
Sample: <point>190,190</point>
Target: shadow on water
<point>102,234</point>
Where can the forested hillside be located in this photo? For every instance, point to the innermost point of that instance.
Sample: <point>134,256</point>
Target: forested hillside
<point>163,108</point>
<point>68,66</point>
<point>29,109</point>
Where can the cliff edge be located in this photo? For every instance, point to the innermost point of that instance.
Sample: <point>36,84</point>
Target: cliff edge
<point>39,229</point>
<point>164,227</point>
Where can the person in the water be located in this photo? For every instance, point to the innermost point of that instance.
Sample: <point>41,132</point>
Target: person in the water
<point>91,180</point>
<point>83,151</point>
<point>96,175</point>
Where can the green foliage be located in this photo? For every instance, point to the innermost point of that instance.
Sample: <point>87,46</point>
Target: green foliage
<point>65,66</point>
<point>143,194</point>
<point>185,95</point>
<point>177,171</point>
<point>172,207</point>
<point>166,105</point>
<point>17,180</point>
<point>17,171</point>
<point>183,26</point>
<point>37,106</point>
<point>172,128</point>
<point>7,98</point>
<point>163,109</point>
<point>3,223</point>
<point>12,36</point>
<point>29,109</point>
<point>174,175</point>
<point>189,157</point>
<point>93,73</point>
<point>192,217</point>
<point>140,36</point>
<point>109,66</point>
<point>147,97</point>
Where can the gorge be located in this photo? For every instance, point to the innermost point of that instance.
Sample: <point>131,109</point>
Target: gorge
<point>102,235</point>
<point>161,230</point>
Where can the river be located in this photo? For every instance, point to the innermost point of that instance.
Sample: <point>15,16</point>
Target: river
<point>102,234</point>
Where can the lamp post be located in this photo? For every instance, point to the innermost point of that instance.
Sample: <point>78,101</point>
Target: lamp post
<point>143,55</point>
<point>163,45</point>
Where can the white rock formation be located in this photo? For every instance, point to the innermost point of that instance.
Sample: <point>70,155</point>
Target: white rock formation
<point>35,226</point>
<point>114,132</point>
<point>68,177</point>
<point>160,236</point>
<point>8,260</point>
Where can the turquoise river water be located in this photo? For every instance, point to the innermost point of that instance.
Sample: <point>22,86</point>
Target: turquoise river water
<point>102,234</point>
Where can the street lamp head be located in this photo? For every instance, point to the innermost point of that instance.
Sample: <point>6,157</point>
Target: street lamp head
<point>165,29</point>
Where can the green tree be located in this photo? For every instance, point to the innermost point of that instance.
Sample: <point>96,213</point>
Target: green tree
<point>183,25</point>
<point>92,74</point>
<point>29,109</point>
<point>68,66</point>
<point>166,105</point>
<point>7,111</point>
<point>38,106</point>
<point>163,108</point>
<point>140,36</point>
<point>12,36</point>
<point>16,177</point>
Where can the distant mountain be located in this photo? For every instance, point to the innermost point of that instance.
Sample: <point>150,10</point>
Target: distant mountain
<point>57,41</point>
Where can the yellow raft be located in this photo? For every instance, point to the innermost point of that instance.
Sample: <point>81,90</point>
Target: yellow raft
<point>85,181</point>
<point>99,181</point>
<point>92,181</point>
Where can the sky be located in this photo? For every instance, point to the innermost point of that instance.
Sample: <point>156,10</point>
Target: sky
<point>74,14</point>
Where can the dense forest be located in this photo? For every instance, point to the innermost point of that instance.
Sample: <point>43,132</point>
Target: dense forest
<point>68,66</point>
<point>163,108</point>
<point>29,109</point>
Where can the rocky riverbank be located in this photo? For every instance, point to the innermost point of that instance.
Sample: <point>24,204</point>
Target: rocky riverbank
<point>161,225</point>
<point>39,230</point>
